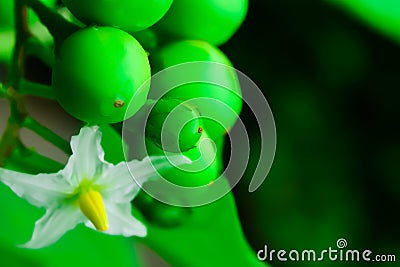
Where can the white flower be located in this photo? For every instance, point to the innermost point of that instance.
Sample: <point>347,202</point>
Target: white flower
<point>88,190</point>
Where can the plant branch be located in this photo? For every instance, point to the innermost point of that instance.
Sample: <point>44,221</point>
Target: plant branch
<point>35,89</point>
<point>8,141</point>
<point>21,36</point>
<point>47,134</point>
<point>10,136</point>
<point>4,92</point>
<point>28,160</point>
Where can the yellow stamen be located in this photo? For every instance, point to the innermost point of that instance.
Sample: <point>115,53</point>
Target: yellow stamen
<point>92,205</point>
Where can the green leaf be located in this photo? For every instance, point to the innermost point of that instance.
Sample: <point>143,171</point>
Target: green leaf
<point>12,257</point>
<point>210,236</point>
<point>383,15</point>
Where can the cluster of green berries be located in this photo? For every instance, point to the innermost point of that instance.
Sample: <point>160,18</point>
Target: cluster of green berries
<point>102,72</point>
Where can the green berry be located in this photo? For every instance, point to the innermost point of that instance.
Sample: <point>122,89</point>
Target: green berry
<point>174,126</point>
<point>214,21</point>
<point>6,14</point>
<point>129,15</point>
<point>204,169</point>
<point>97,72</point>
<point>221,104</point>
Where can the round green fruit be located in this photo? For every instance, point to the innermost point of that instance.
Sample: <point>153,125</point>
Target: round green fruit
<point>217,97</point>
<point>129,15</point>
<point>98,71</point>
<point>204,169</point>
<point>6,14</point>
<point>214,21</point>
<point>174,126</point>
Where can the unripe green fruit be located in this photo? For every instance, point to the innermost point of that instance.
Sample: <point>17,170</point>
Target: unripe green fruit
<point>129,15</point>
<point>6,14</point>
<point>204,169</point>
<point>220,102</point>
<point>174,126</point>
<point>97,72</point>
<point>214,21</point>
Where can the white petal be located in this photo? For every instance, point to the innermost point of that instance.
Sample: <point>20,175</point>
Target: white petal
<point>40,190</point>
<point>148,168</point>
<point>118,184</point>
<point>87,158</point>
<point>121,221</point>
<point>122,182</point>
<point>54,224</point>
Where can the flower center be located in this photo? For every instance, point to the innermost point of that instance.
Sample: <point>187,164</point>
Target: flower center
<point>92,206</point>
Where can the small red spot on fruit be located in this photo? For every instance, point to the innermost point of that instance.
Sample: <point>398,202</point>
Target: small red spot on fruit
<point>200,130</point>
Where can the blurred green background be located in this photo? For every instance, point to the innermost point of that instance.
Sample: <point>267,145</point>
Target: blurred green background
<point>332,82</point>
<point>333,85</point>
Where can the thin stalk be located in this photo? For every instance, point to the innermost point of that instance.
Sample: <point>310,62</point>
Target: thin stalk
<point>47,134</point>
<point>10,136</point>
<point>22,34</point>
<point>8,141</point>
<point>4,92</point>
<point>36,89</point>
<point>27,160</point>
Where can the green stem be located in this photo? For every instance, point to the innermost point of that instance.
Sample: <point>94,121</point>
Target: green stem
<point>47,134</point>
<point>27,160</point>
<point>8,141</point>
<point>59,27</point>
<point>19,116</point>
<point>21,36</point>
<point>36,89</point>
<point>18,112</point>
<point>4,92</point>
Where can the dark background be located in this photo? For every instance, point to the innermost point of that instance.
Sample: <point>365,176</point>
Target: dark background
<point>333,86</point>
